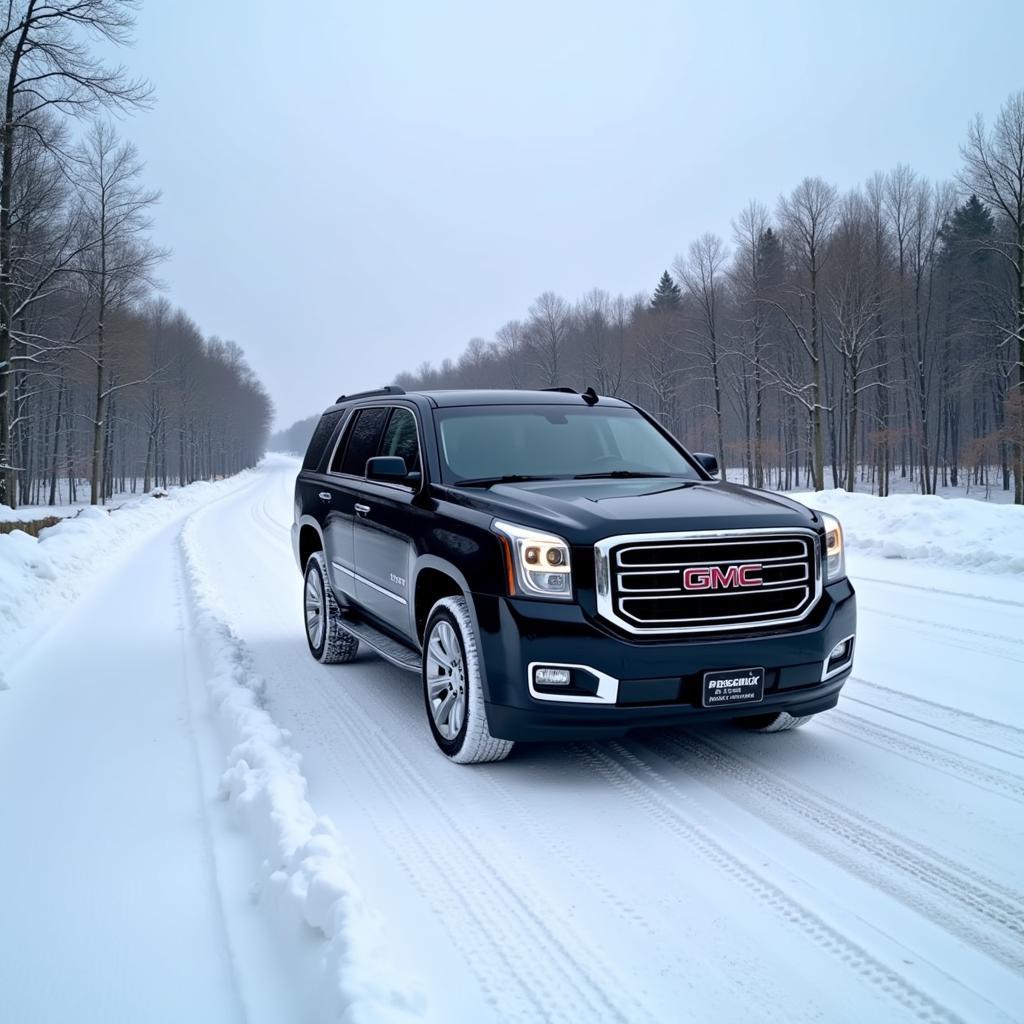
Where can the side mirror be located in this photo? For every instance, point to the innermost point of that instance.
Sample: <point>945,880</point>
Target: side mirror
<point>388,469</point>
<point>709,463</point>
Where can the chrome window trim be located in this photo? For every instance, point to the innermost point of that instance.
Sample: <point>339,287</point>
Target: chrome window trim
<point>387,407</point>
<point>345,419</point>
<point>603,562</point>
<point>607,686</point>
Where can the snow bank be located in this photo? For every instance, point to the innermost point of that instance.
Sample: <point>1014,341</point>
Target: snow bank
<point>307,872</point>
<point>37,574</point>
<point>946,531</point>
<point>30,513</point>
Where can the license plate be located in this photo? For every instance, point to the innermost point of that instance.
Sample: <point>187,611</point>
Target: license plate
<point>737,686</point>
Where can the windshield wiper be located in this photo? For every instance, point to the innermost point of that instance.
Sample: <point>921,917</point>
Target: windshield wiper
<point>618,474</point>
<point>510,478</point>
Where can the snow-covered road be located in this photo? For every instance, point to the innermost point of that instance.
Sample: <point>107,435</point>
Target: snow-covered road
<point>865,867</point>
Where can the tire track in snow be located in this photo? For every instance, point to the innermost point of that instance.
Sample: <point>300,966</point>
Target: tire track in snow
<point>959,767</point>
<point>484,959</point>
<point>564,853</point>
<point>643,786</point>
<point>953,636</point>
<point>267,524</point>
<point>1005,738</point>
<point>962,901</point>
<point>984,598</point>
<point>559,977</point>
<point>943,627</point>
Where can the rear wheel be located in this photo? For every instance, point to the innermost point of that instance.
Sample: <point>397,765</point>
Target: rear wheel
<point>329,642</point>
<point>779,721</point>
<point>452,689</point>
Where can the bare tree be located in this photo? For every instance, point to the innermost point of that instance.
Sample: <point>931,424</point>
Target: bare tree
<point>854,325</point>
<point>602,349</point>
<point>511,340</point>
<point>929,208</point>
<point>702,274</point>
<point>118,264</point>
<point>48,67</point>
<point>548,326</point>
<point>994,170</point>
<point>752,271</point>
<point>808,215</point>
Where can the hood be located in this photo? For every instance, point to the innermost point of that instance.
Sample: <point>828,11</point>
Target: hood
<point>587,510</point>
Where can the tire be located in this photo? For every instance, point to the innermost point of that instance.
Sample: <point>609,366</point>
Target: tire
<point>780,721</point>
<point>329,642</point>
<point>452,691</point>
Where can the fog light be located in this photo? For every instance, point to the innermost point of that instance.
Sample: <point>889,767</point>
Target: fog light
<point>552,676</point>
<point>840,651</point>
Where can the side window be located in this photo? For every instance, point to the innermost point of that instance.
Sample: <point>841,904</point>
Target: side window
<point>321,436</point>
<point>400,438</point>
<point>361,443</point>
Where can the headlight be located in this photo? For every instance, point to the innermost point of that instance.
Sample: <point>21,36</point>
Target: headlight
<point>537,563</point>
<point>835,557</point>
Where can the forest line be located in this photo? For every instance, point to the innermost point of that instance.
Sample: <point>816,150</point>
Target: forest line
<point>838,338</point>
<point>104,387</point>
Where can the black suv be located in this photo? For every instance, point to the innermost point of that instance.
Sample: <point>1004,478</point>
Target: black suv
<point>556,565</point>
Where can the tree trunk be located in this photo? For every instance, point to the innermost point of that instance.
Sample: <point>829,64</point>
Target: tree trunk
<point>56,440</point>
<point>98,431</point>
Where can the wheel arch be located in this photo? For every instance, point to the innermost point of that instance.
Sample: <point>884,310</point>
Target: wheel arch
<point>310,539</point>
<point>436,578</point>
<point>445,568</point>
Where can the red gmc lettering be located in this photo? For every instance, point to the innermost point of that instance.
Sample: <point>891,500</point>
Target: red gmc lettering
<point>750,576</point>
<point>713,577</point>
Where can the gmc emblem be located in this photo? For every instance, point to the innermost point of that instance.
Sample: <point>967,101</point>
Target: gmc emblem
<point>712,577</point>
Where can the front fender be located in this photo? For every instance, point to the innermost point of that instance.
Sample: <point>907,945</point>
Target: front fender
<point>443,565</point>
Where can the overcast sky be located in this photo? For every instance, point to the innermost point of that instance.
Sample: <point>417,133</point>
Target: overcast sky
<point>349,189</point>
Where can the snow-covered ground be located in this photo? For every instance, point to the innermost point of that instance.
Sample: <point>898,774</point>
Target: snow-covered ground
<point>941,531</point>
<point>37,575</point>
<point>65,507</point>
<point>201,823</point>
<point>992,493</point>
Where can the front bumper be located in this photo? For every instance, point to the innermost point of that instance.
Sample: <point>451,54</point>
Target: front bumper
<point>658,682</point>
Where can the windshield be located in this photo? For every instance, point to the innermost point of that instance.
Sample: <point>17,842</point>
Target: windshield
<point>490,442</point>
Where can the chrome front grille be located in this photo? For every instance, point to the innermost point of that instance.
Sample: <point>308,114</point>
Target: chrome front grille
<point>652,583</point>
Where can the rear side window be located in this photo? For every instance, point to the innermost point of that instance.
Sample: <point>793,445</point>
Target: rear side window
<point>361,444</point>
<point>318,442</point>
<point>400,438</point>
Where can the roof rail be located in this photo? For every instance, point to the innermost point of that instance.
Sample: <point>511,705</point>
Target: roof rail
<point>566,391</point>
<point>388,389</point>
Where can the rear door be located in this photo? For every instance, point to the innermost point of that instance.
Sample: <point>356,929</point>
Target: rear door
<point>386,522</point>
<point>346,475</point>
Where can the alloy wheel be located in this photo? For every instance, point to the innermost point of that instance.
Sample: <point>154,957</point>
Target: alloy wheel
<point>446,680</point>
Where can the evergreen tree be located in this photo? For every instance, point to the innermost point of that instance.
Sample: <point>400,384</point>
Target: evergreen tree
<point>965,228</point>
<point>667,296</point>
<point>769,256</point>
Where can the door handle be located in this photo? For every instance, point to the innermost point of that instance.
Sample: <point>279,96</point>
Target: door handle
<point>325,495</point>
<point>361,510</point>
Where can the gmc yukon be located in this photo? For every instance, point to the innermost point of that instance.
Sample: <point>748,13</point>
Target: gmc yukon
<point>557,565</point>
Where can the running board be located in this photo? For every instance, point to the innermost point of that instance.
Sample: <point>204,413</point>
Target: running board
<point>386,646</point>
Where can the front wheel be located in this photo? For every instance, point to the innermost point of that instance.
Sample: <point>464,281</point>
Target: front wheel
<point>452,688</point>
<point>778,721</point>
